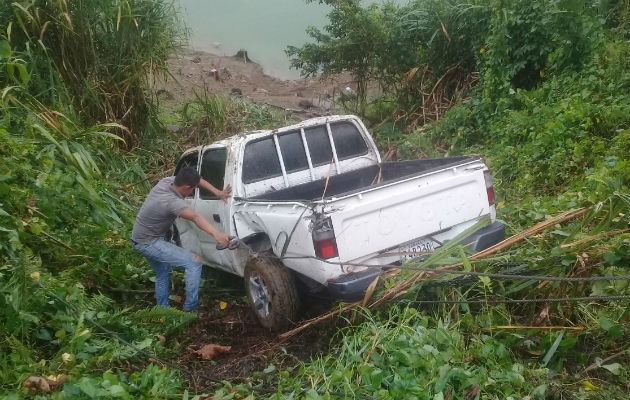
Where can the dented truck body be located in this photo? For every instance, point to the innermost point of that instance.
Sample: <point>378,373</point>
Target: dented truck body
<point>318,197</point>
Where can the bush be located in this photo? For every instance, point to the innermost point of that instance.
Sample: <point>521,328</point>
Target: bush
<point>104,51</point>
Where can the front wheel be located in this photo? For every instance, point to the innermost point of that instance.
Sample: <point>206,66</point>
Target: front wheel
<point>272,293</point>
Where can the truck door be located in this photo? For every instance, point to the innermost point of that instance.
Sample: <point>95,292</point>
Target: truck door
<point>186,229</point>
<point>215,210</point>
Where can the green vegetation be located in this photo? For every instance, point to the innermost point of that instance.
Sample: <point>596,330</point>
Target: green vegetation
<point>67,195</point>
<point>103,53</point>
<point>73,79</point>
<point>540,88</point>
<point>209,116</point>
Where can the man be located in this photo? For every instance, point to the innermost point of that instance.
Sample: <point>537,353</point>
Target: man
<point>164,203</point>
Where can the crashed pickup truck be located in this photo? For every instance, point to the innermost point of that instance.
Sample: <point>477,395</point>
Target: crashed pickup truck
<point>314,206</point>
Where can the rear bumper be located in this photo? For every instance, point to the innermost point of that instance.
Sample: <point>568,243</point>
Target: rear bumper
<point>486,237</point>
<point>352,286</point>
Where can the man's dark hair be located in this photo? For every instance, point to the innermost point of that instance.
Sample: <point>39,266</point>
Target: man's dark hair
<point>187,176</point>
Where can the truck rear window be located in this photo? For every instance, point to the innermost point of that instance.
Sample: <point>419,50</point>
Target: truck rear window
<point>348,140</point>
<point>318,145</point>
<point>260,161</point>
<point>293,153</point>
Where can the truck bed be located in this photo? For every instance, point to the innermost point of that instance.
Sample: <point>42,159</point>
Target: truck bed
<point>357,180</point>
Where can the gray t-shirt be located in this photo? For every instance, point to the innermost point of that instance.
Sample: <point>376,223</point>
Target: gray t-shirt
<point>159,210</point>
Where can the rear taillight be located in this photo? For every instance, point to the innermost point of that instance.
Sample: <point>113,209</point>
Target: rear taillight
<point>489,186</point>
<point>324,240</point>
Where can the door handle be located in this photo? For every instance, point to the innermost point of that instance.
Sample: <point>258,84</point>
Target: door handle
<point>216,218</point>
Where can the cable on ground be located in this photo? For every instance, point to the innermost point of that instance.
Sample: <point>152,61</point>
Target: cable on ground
<point>508,301</point>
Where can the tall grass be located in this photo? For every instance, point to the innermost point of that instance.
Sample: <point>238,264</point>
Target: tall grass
<point>211,116</point>
<point>105,51</point>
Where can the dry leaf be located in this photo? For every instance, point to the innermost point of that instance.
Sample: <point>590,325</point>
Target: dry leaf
<point>37,383</point>
<point>543,318</point>
<point>369,291</point>
<point>46,385</point>
<point>222,305</point>
<point>161,338</point>
<point>177,299</point>
<point>589,387</point>
<point>472,392</point>
<point>210,351</point>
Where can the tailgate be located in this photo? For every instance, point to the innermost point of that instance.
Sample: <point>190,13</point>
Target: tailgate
<point>387,216</point>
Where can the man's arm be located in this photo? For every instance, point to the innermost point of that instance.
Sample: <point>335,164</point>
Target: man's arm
<point>221,237</point>
<point>222,194</point>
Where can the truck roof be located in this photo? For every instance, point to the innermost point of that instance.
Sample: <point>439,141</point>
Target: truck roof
<point>252,135</point>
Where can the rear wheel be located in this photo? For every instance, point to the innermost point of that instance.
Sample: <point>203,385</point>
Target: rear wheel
<point>272,293</point>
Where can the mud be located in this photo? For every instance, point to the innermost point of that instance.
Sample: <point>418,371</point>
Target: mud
<point>197,71</point>
<point>253,348</point>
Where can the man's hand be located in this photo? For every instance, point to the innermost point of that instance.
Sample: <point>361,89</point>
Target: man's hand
<point>222,238</point>
<point>203,224</point>
<point>222,194</point>
<point>225,193</point>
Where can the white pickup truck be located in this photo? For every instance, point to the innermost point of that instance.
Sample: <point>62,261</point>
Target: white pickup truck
<point>314,206</point>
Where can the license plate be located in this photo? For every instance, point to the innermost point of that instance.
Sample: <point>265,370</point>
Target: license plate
<point>417,248</point>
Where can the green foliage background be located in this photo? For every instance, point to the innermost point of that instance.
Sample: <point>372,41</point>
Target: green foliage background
<point>550,110</point>
<point>73,79</point>
<point>540,87</point>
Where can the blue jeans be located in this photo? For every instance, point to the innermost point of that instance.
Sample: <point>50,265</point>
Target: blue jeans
<point>162,255</point>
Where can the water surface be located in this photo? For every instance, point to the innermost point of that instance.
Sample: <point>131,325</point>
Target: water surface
<point>262,27</point>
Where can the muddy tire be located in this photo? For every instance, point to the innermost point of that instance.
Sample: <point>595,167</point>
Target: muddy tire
<point>272,293</point>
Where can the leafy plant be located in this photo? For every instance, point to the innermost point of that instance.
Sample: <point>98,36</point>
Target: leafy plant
<point>104,52</point>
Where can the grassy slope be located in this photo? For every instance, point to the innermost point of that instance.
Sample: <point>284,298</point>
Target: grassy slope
<point>67,196</point>
<point>556,146</point>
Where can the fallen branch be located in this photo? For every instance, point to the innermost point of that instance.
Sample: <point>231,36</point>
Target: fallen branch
<point>569,328</point>
<point>595,237</point>
<point>539,227</point>
<point>402,287</point>
<point>317,320</point>
<point>596,365</point>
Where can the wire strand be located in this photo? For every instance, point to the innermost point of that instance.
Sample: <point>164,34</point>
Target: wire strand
<point>507,301</point>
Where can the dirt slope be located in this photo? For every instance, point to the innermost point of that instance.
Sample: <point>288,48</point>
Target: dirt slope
<point>192,70</point>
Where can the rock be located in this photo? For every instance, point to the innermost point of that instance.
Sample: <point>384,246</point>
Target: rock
<point>349,92</point>
<point>173,128</point>
<point>305,103</point>
<point>242,55</point>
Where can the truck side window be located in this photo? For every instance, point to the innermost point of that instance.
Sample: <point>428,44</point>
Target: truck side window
<point>293,153</point>
<point>213,170</point>
<point>260,161</point>
<point>190,160</point>
<point>348,140</point>
<point>318,145</point>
